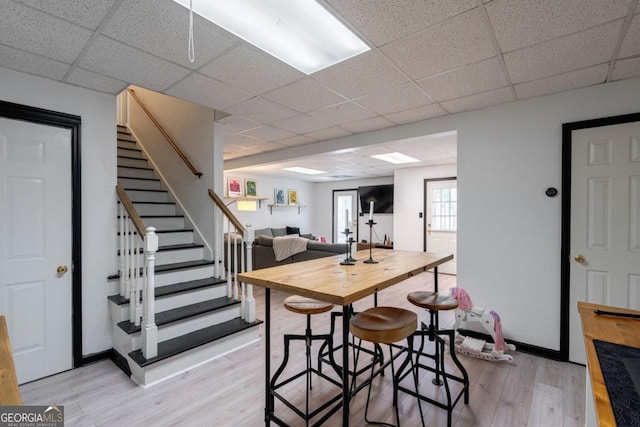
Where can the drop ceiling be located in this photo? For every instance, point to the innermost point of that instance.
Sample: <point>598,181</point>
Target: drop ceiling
<point>429,58</point>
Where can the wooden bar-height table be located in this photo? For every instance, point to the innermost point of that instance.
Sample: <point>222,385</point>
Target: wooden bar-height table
<point>326,280</point>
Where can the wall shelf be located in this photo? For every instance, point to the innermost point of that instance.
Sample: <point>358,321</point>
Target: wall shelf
<point>258,199</point>
<point>285,206</point>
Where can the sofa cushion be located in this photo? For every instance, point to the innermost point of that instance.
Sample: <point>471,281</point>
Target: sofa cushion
<point>275,232</point>
<point>264,240</point>
<point>308,236</point>
<point>263,232</point>
<point>338,248</point>
<point>293,230</point>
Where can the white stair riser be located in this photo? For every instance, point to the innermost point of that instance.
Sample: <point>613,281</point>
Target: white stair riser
<point>130,153</point>
<point>162,223</point>
<point>136,163</point>
<point>126,144</point>
<point>181,255</point>
<point>124,172</point>
<point>147,196</point>
<point>142,184</point>
<point>154,209</point>
<point>117,312</point>
<point>191,359</point>
<point>177,238</point>
<point>184,275</point>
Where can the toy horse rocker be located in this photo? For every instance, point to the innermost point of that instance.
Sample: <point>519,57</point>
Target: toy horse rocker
<point>467,314</point>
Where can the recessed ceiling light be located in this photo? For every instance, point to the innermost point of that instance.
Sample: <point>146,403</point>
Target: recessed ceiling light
<point>396,158</point>
<point>301,33</point>
<point>304,170</point>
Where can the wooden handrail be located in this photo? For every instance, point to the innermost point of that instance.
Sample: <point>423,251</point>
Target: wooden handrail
<point>166,135</point>
<point>9,390</point>
<point>131,210</point>
<point>225,210</point>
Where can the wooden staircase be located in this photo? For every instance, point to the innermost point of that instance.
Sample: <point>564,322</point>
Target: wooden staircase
<point>196,320</point>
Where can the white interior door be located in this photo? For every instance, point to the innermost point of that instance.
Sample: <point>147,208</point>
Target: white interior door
<point>35,238</point>
<point>345,211</point>
<point>605,222</point>
<point>442,221</point>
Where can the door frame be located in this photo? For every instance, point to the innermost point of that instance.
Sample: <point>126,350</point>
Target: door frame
<point>565,234</point>
<point>72,122</point>
<point>333,210</point>
<point>424,207</point>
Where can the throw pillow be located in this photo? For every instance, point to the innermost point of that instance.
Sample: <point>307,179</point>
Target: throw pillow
<point>293,230</point>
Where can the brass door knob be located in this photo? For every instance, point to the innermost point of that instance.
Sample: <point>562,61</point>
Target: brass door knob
<point>62,269</point>
<point>579,258</point>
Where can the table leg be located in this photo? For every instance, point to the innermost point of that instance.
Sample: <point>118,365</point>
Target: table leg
<point>345,365</point>
<point>268,406</point>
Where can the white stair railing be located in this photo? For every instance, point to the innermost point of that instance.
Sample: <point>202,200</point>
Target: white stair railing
<point>138,245</point>
<point>237,258</point>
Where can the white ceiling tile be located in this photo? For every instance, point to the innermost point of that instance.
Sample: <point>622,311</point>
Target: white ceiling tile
<point>382,21</point>
<point>329,133</point>
<point>304,95</point>
<point>206,91</point>
<point>368,125</point>
<point>261,110</point>
<point>631,43</point>
<point>343,113</point>
<point>520,23</point>
<point>29,63</point>
<point>251,69</point>
<point>235,124</point>
<point>242,140</point>
<point>568,53</point>
<point>296,140</point>
<point>111,58</point>
<point>467,80</point>
<point>87,13</point>
<point>33,31</point>
<point>459,41</point>
<point>567,81</point>
<point>416,114</point>
<point>627,68</point>
<point>268,133</point>
<point>395,99</point>
<point>362,75</point>
<point>302,123</point>
<point>479,100</point>
<point>161,28</point>
<point>95,81</point>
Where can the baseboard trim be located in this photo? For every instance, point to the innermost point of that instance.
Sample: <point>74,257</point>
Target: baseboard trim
<point>97,357</point>
<point>520,346</point>
<point>121,362</point>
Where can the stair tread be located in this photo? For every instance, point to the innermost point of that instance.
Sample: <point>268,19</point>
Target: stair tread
<point>182,265</point>
<point>135,167</point>
<point>131,158</point>
<point>175,288</point>
<point>175,247</point>
<point>130,149</point>
<point>141,179</point>
<point>181,313</point>
<point>174,230</point>
<point>143,189</point>
<point>192,340</point>
<point>151,203</point>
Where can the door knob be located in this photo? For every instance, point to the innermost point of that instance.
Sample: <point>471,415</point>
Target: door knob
<point>62,269</point>
<point>579,258</point>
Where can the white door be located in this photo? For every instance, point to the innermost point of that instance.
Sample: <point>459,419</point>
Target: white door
<point>442,220</point>
<point>345,211</point>
<point>35,238</point>
<point>605,222</point>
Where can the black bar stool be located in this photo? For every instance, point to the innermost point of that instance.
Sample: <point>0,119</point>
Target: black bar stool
<point>434,303</point>
<point>387,325</point>
<point>307,306</point>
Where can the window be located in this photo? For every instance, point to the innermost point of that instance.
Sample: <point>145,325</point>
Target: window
<point>444,209</point>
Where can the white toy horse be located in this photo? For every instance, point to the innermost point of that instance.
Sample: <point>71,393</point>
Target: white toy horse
<point>466,314</point>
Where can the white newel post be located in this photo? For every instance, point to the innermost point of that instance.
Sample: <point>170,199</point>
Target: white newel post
<point>228,258</point>
<point>149,329</point>
<point>123,274</point>
<point>250,305</point>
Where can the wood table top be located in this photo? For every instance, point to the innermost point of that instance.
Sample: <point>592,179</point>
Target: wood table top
<point>326,280</point>
<point>605,328</point>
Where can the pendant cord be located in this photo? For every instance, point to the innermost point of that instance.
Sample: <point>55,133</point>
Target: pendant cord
<point>191,48</point>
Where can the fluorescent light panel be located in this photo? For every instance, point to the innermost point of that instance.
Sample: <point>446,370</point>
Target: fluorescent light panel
<point>395,158</point>
<point>301,33</point>
<point>304,170</point>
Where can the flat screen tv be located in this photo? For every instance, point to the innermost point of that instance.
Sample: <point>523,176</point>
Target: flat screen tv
<point>382,196</point>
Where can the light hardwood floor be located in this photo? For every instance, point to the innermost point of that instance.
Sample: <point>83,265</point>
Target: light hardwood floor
<point>229,391</point>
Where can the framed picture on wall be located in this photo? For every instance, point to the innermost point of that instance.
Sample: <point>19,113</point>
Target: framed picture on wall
<point>250,188</point>
<point>279,196</point>
<point>234,187</point>
<point>293,196</point>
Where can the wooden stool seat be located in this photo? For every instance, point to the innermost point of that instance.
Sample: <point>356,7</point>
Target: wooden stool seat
<point>432,301</point>
<point>384,324</point>
<point>303,305</point>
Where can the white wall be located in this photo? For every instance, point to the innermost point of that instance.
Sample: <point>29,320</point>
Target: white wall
<point>323,214</point>
<point>98,155</point>
<point>277,217</point>
<point>408,203</point>
<point>191,126</point>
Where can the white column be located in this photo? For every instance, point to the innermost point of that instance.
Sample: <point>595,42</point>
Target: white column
<point>149,328</point>
<point>250,305</point>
